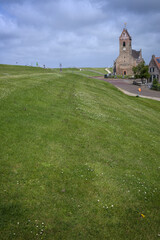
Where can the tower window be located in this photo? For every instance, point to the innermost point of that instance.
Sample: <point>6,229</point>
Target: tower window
<point>124,44</point>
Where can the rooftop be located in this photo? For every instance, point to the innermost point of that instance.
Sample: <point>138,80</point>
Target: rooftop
<point>157,60</point>
<point>136,54</point>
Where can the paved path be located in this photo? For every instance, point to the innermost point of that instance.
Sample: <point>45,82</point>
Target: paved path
<point>126,86</point>
<point>107,70</point>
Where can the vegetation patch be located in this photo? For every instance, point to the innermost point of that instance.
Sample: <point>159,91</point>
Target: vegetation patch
<point>155,85</point>
<point>79,159</point>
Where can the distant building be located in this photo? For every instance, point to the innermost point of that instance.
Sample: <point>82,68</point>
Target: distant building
<point>154,68</point>
<point>128,58</point>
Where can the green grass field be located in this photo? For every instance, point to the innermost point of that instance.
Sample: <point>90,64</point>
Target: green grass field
<point>90,72</point>
<point>78,158</point>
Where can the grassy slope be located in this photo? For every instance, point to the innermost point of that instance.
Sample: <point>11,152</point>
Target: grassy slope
<point>79,159</point>
<point>90,72</point>
<point>101,70</point>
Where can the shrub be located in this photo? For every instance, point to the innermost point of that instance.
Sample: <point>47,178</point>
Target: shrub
<point>155,85</point>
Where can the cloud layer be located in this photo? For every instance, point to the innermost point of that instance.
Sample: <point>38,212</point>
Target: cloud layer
<point>75,32</point>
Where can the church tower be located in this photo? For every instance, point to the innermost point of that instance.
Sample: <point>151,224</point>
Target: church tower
<point>128,58</point>
<point>125,43</point>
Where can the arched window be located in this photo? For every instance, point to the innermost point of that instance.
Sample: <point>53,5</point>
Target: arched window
<point>124,44</point>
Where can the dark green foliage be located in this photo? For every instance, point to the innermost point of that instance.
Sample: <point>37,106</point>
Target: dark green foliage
<point>141,71</point>
<point>155,85</point>
<point>121,76</point>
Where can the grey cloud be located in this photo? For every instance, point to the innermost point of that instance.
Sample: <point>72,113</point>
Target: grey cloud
<point>58,15</point>
<point>136,6</point>
<point>75,32</point>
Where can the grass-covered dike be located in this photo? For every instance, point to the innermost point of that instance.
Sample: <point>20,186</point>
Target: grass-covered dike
<point>78,158</point>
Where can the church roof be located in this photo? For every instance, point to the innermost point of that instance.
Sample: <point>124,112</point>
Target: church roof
<point>125,34</point>
<point>128,33</point>
<point>136,54</point>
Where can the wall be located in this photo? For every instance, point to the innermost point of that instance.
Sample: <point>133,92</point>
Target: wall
<point>156,71</point>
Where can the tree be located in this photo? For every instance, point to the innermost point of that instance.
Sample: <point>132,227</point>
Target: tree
<point>141,71</point>
<point>155,84</point>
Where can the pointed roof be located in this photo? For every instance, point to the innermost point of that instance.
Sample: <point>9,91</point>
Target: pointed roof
<point>157,61</point>
<point>125,35</point>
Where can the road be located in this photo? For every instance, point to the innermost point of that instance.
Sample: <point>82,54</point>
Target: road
<point>126,86</point>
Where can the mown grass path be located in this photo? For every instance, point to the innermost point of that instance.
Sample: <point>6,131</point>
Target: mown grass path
<point>79,159</point>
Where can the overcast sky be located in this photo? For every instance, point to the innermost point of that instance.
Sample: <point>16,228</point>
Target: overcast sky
<point>80,33</point>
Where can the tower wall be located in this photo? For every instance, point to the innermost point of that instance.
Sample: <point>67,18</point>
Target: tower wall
<point>126,61</point>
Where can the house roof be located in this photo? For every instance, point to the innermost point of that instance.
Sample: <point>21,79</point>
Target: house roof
<point>136,54</point>
<point>157,61</point>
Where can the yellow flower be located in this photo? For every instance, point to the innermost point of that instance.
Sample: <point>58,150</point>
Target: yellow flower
<point>142,215</point>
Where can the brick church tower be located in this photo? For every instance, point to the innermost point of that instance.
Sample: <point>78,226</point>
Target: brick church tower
<point>127,56</point>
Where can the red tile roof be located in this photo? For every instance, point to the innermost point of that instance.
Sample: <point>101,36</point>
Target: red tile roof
<point>157,61</point>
